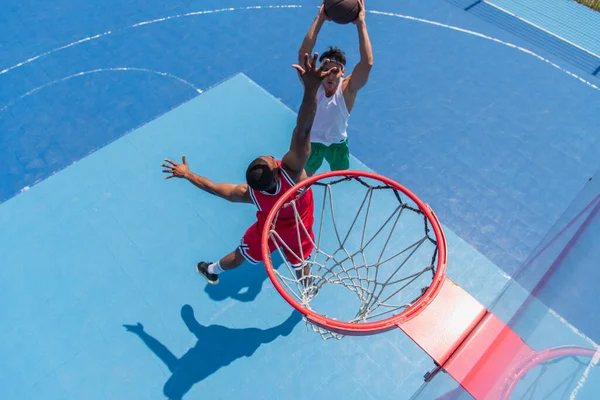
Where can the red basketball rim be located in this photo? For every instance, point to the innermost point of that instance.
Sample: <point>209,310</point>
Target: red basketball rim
<point>366,328</point>
<point>526,365</point>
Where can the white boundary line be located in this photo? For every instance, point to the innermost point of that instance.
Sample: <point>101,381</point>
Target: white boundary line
<point>541,29</point>
<point>585,375</point>
<point>94,71</point>
<point>196,13</point>
<point>153,21</point>
<point>493,39</point>
<point>573,329</point>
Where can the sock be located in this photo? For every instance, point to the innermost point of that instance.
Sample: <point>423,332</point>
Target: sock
<point>215,268</point>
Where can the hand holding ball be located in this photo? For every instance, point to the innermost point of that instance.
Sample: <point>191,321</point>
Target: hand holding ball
<point>342,11</point>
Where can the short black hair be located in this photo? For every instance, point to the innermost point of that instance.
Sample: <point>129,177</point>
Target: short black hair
<point>259,176</point>
<point>334,54</point>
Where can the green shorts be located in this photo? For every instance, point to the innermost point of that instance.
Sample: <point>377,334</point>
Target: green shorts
<point>337,155</point>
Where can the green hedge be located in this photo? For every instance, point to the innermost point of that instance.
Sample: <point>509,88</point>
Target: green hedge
<point>595,4</point>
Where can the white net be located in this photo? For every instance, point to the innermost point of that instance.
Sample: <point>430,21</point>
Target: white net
<point>374,252</point>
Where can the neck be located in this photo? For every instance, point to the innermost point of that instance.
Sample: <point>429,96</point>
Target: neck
<point>328,92</point>
<point>273,189</point>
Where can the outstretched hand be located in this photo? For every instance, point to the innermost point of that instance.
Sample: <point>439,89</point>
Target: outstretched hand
<point>176,170</point>
<point>310,75</point>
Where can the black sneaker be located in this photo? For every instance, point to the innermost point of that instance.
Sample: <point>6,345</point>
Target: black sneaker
<point>202,268</point>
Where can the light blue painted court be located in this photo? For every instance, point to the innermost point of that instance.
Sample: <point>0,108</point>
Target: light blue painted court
<point>485,110</point>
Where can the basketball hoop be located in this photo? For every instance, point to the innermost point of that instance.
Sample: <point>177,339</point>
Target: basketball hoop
<point>385,255</point>
<point>546,358</point>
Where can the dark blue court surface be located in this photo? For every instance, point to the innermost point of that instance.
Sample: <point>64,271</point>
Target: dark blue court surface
<point>488,120</point>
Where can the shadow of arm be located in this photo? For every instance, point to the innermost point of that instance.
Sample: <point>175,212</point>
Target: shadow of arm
<point>159,349</point>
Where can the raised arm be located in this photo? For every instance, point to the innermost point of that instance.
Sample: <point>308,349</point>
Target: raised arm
<point>308,44</point>
<point>360,74</point>
<point>295,159</point>
<point>228,191</point>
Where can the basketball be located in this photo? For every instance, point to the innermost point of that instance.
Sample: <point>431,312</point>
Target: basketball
<point>342,11</point>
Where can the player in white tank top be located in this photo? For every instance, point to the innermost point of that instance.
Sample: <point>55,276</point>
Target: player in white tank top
<point>331,120</point>
<point>337,95</point>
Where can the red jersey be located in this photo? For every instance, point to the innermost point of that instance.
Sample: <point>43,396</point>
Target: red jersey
<point>265,201</point>
<point>298,248</point>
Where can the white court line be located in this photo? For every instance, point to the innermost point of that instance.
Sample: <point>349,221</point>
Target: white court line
<point>196,13</point>
<point>108,33</point>
<point>493,39</point>
<point>585,375</point>
<point>94,71</point>
<point>573,329</point>
<point>541,29</point>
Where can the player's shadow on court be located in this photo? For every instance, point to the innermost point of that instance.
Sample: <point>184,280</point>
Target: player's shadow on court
<point>217,347</point>
<point>243,283</point>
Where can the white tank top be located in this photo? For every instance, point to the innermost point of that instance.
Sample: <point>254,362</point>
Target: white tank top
<point>331,119</point>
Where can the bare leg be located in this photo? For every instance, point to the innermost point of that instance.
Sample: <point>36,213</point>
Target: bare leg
<point>304,271</point>
<point>232,260</point>
<point>302,274</point>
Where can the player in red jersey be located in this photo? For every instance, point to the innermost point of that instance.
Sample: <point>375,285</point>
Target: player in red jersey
<point>267,179</point>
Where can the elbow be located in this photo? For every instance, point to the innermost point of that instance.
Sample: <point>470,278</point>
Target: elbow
<point>305,152</point>
<point>230,198</point>
<point>367,57</point>
<point>366,64</point>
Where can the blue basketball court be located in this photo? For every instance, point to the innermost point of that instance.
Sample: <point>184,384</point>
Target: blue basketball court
<point>485,111</point>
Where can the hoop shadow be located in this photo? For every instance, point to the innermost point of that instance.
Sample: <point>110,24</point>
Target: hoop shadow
<point>243,283</point>
<point>217,347</point>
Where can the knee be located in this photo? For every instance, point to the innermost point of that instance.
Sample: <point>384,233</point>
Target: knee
<point>232,260</point>
<point>238,258</point>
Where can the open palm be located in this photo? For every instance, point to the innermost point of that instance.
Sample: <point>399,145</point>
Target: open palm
<point>310,75</point>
